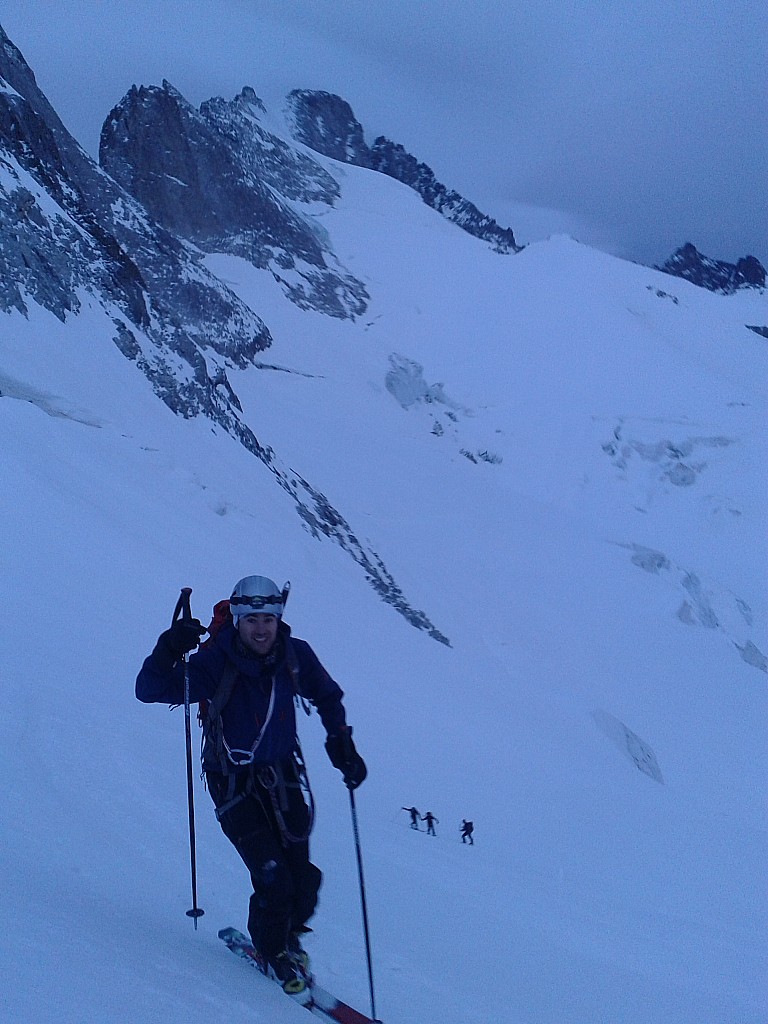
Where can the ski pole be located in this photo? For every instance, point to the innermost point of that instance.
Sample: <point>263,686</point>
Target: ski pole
<point>363,901</point>
<point>182,606</point>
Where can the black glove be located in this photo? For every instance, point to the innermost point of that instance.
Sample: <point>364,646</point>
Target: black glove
<point>183,636</point>
<point>342,754</point>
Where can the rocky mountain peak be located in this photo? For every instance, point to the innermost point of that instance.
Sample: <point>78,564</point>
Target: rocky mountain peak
<point>12,55</point>
<point>68,228</point>
<point>216,177</point>
<point>326,123</point>
<point>715,275</point>
<point>247,98</point>
<point>393,159</point>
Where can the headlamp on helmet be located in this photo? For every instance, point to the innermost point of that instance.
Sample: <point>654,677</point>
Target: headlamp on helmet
<point>257,595</point>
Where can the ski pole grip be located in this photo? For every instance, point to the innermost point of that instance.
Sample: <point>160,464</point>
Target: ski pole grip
<point>182,605</point>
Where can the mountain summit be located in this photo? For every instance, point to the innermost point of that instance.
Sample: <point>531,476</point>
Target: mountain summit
<point>325,122</point>
<point>67,229</point>
<point>219,179</point>
<point>715,275</point>
<point>70,233</point>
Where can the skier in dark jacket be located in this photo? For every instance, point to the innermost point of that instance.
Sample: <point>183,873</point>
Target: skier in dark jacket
<point>250,753</point>
<point>467,828</point>
<point>431,821</point>
<point>414,817</point>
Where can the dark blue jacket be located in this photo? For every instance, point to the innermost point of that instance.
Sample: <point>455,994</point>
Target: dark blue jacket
<point>161,680</point>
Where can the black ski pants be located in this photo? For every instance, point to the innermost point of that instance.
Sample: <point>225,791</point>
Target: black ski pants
<point>269,827</point>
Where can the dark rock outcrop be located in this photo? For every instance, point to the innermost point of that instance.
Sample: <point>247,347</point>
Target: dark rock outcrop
<point>715,275</point>
<point>326,123</point>
<point>392,159</point>
<point>217,178</point>
<point>67,228</point>
<point>65,225</point>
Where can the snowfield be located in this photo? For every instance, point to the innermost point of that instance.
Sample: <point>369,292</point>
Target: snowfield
<point>573,492</point>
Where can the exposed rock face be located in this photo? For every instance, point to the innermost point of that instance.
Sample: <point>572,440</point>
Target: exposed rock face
<point>715,275</point>
<point>265,158</point>
<point>67,227</point>
<point>327,124</point>
<point>49,250</point>
<point>217,178</point>
<point>392,159</point>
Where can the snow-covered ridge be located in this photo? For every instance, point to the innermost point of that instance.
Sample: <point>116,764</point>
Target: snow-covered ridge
<point>599,715</point>
<point>325,123</point>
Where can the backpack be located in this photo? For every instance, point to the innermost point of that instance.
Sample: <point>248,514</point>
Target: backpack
<point>221,616</point>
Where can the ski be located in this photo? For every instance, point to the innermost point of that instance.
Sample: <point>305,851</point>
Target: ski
<point>313,997</point>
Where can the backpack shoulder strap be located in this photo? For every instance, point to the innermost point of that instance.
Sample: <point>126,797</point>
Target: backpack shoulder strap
<point>212,724</point>
<point>224,692</point>
<point>292,662</point>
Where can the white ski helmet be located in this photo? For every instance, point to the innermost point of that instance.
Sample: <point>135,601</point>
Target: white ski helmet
<point>257,595</point>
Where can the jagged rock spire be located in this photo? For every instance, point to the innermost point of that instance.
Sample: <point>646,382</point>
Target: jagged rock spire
<point>327,124</point>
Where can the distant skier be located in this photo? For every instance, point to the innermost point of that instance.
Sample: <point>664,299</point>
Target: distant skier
<point>467,828</point>
<point>415,816</point>
<point>431,821</point>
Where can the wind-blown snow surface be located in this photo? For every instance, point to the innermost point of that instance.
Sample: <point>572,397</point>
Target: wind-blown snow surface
<point>596,556</point>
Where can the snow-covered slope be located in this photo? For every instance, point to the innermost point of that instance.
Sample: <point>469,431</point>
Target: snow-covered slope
<point>559,457</point>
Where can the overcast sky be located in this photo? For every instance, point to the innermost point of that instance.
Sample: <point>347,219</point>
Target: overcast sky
<point>638,124</point>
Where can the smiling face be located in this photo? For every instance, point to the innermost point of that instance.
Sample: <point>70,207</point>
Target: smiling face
<point>258,632</point>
